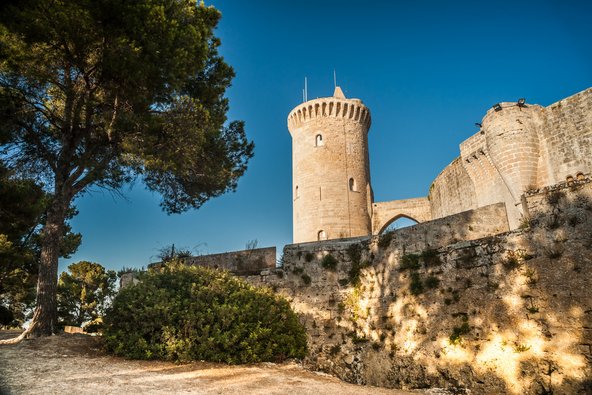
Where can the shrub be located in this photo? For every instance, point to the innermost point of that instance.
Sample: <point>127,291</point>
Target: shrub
<point>6,316</point>
<point>409,262</point>
<point>430,257</point>
<point>182,313</point>
<point>432,282</point>
<point>385,239</point>
<point>329,262</point>
<point>554,197</point>
<point>335,349</point>
<point>306,279</point>
<point>354,251</point>
<point>416,286</point>
<point>458,332</point>
<point>355,271</point>
<point>309,257</point>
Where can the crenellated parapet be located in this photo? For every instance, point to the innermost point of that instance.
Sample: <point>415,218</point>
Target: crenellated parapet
<point>350,109</point>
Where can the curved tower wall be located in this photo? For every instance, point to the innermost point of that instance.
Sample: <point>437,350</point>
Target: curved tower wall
<point>513,144</point>
<point>331,190</point>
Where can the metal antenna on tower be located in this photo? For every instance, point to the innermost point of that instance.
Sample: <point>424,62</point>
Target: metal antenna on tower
<point>334,79</point>
<point>305,89</point>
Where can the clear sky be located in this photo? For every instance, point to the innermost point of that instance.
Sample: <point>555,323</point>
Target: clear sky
<point>427,70</point>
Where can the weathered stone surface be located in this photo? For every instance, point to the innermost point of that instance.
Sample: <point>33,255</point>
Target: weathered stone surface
<point>239,262</point>
<point>495,311</point>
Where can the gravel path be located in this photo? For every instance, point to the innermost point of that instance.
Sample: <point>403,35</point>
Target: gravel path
<point>75,364</point>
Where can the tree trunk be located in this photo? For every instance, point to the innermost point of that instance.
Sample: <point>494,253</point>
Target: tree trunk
<point>45,317</point>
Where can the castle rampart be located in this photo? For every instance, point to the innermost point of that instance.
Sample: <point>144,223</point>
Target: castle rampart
<point>520,147</point>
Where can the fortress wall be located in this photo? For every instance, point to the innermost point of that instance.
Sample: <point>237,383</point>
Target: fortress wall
<point>238,262</point>
<point>452,191</point>
<point>519,148</point>
<point>501,314</point>
<point>566,135</point>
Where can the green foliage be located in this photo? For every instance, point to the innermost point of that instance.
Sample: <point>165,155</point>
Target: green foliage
<point>99,93</point>
<point>84,292</point>
<point>458,332</point>
<point>520,348</point>
<point>512,261</point>
<point>358,339</point>
<point>409,262</point>
<point>554,197</point>
<point>335,349</point>
<point>355,272</point>
<point>354,251</point>
<point>385,239</point>
<point>182,313</point>
<point>306,279</point>
<point>102,91</point>
<point>126,269</point>
<point>416,285</point>
<point>309,257</point>
<point>430,257</point>
<point>432,282</point>
<point>23,204</point>
<point>169,253</point>
<point>329,262</point>
<point>6,316</point>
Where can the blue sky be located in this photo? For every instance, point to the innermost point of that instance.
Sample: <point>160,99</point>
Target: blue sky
<point>428,70</point>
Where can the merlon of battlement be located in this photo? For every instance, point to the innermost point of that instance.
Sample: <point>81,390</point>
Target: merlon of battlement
<point>334,107</point>
<point>338,94</point>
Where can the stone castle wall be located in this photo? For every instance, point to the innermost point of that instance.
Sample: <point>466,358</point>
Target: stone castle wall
<point>452,191</point>
<point>238,262</point>
<point>455,302</point>
<point>331,176</point>
<point>519,148</point>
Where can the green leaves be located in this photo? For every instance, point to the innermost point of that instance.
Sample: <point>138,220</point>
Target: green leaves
<point>107,90</point>
<point>84,292</point>
<point>185,313</point>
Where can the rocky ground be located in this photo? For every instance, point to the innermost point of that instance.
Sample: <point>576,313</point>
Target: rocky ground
<point>76,364</point>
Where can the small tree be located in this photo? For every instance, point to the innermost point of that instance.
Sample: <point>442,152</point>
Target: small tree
<point>22,214</point>
<point>84,292</point>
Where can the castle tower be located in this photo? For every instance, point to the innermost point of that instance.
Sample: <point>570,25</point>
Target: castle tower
<point>330,169</point>
<point>513,143</point>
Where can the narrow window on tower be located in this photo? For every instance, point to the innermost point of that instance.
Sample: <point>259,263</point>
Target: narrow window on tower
<point>322,235</point>
<point>296,192</point>
<point>352,185</point>
<point>319,140</point>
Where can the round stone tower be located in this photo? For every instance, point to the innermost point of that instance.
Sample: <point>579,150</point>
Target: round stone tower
<point>512,140</point>
<point>513,143</point>
<point>330,169</point>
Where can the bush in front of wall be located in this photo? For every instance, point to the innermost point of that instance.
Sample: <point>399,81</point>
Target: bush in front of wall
<point>184,313</point>
<point>329,262</point>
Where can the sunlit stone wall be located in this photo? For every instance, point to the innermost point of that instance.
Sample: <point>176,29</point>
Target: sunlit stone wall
<point>507,313</point>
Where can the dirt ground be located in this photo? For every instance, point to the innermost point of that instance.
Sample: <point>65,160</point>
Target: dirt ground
<point>75,364</point>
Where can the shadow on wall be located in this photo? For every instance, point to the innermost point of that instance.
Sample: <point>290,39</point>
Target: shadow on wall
<point>428,306</point>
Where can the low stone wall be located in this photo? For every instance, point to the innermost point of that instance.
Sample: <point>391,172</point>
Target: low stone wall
<point>440,305</point>
<point>238,262</point>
